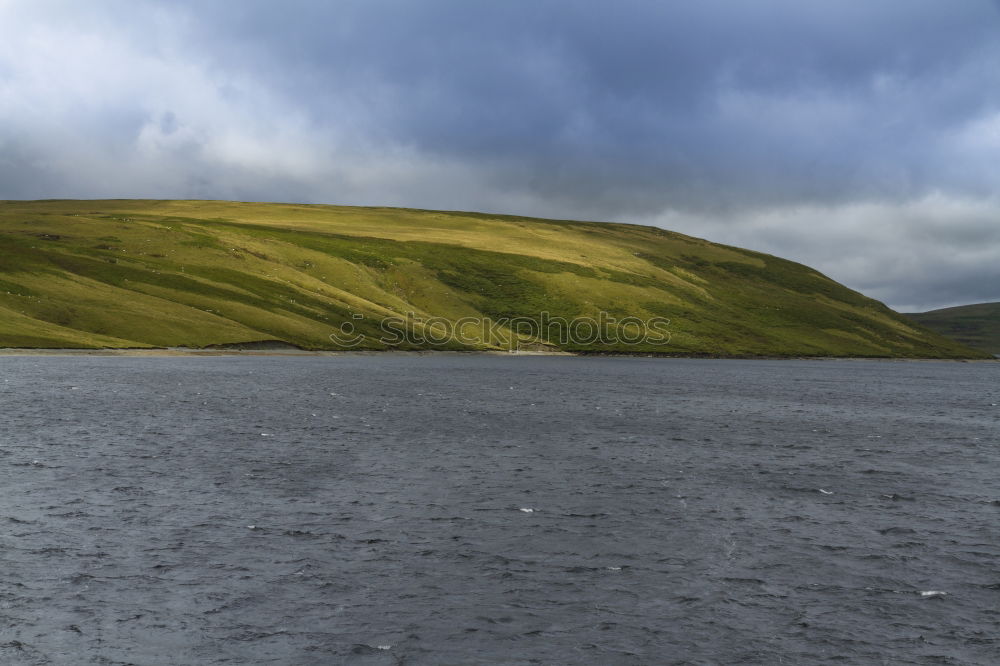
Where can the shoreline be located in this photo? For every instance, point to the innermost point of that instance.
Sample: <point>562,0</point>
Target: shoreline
<point>193,352</point>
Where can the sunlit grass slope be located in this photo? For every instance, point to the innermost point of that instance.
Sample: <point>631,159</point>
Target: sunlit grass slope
<point>132,273</point>
<point>977,325</point>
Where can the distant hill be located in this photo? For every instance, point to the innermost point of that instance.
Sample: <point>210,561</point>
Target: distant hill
<point>977,326</point>
<point>136,273</point>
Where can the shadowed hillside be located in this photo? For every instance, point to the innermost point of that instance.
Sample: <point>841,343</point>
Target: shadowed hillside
<point>977,326</point>
<point>131,273</point>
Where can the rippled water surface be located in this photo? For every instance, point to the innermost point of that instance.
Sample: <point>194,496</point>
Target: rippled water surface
<point>458,509</point>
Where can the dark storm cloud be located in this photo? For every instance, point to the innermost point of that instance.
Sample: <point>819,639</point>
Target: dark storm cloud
<point>712,116</point>
<point>625,107</point>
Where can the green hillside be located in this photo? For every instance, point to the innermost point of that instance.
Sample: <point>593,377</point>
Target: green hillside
<point>131,273</point>
<point>977,326</point>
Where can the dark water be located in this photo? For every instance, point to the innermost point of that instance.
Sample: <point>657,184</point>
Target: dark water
<point>678,515</point>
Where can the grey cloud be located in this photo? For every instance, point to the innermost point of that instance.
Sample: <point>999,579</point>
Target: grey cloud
<point>931,252</point>
<point>710,102</point>
<point>707,113</point>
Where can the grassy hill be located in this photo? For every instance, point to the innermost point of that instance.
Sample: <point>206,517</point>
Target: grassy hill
<point>977,326</point>
<point>131,273</point>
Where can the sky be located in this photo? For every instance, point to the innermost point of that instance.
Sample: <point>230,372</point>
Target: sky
<point>861,138</point>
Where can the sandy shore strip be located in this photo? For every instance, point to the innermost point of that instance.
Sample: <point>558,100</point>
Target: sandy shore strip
<point>188,351</point>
